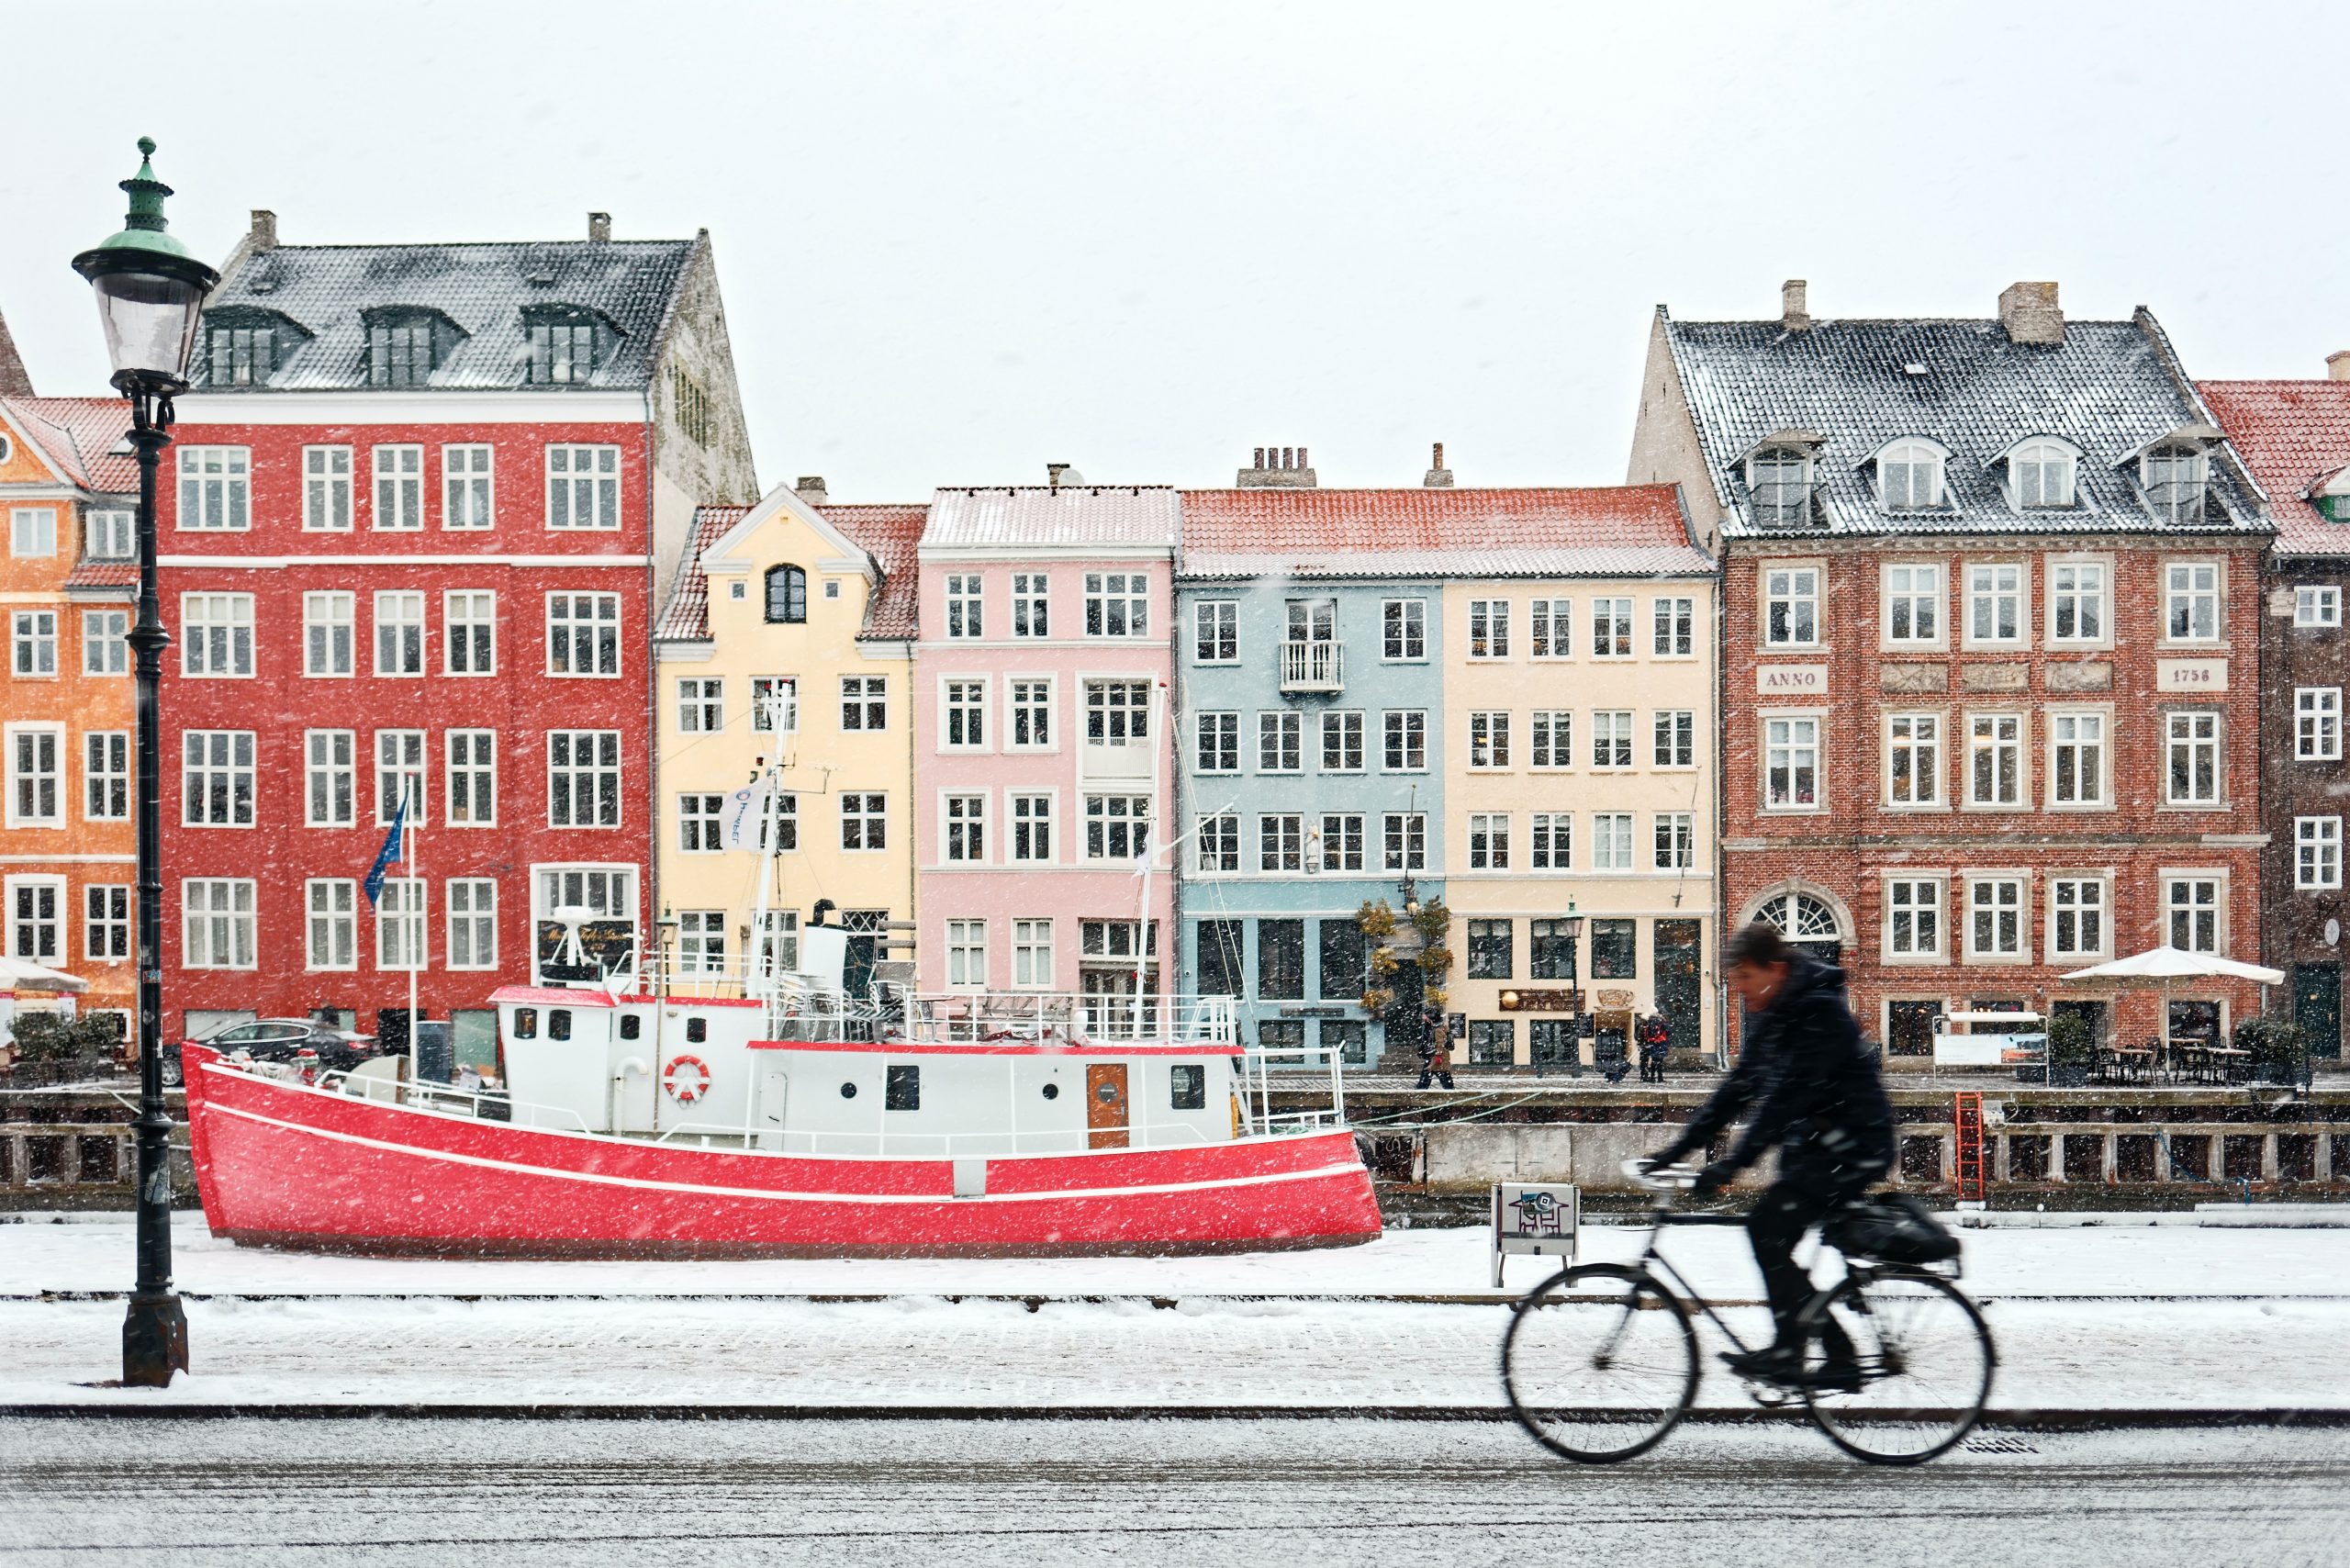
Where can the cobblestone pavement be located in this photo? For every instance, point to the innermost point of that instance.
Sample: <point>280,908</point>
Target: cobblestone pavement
<point>1182,1493</point>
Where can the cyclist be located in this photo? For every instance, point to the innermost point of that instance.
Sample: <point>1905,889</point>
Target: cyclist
<point>1823,1101</point>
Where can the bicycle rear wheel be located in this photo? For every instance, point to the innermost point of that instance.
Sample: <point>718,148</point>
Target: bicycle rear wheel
<point>1925,1362</point>
<point>1600,1363</point>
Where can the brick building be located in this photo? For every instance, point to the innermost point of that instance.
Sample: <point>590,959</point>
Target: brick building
<point>421,505</point>
<point>2295,438</point>
<point>1989,655</point>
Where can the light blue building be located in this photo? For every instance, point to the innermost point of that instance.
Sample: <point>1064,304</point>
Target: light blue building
<point>1310,747</point>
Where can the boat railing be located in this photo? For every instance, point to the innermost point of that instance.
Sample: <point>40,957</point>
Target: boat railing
<point>1256,1069</point>
<point>444,1097</point>
<point>996,1145</point>
<point>1067,1019</point>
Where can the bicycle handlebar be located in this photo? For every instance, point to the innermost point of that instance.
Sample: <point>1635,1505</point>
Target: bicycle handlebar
<point>1661,1178</point>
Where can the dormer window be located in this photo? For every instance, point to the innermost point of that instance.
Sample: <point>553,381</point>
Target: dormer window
<point>566,344</point>
<point>2177,476</point>
<point>786,596</point>
<point>244,348</point>
<point>405,347</point>
<point>1910,477</point>
<point>2039,475</point>
<point>2331,497</point>
<point>1778,480</point>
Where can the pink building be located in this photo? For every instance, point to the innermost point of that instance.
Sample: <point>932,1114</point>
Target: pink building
<point>1042,765</point>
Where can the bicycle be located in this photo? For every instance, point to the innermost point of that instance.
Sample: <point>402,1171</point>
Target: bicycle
<point>1600,1361</point>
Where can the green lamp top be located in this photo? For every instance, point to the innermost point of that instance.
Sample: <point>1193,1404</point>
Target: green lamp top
<point>143,237</point>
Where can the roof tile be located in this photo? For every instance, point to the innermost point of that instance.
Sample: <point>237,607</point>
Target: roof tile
<point>84,436</point>
<point>1122,516</point>
<point>2293,435</point>
<point>1597,530</point>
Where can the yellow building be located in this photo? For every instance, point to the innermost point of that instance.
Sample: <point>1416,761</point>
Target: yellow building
<point>788,637</point>
<point>1579,787</point>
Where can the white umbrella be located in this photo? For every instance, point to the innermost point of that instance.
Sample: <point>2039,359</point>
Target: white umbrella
<point>2171,963</point>
<point>18,974</point>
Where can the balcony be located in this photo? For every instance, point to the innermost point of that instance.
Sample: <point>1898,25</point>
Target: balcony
<point>1312,666</point>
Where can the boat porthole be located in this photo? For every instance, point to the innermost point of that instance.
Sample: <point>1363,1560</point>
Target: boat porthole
<point>1107,1094</point>
<point>1052,1091</point>
<point>848,1091</point>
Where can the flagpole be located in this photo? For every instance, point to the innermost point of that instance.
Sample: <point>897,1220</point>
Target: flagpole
<point>424,939</point>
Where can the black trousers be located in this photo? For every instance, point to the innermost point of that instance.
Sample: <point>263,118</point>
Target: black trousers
<point>1790,1207</point>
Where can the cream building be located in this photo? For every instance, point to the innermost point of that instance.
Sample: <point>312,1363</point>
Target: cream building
<point>788,636</point>
<point>1579,800</point>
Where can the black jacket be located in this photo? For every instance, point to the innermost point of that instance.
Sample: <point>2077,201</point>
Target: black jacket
<point>1821,1096</point>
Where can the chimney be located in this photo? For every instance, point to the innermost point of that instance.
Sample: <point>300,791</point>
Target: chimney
<point>15,380</point>
<point>1053,472</point>
<point>599,228</point>
<point>2337,366</point>
<point>2030,313</point>
<point>1438,477</point>
<point>1278,468</point>
<point>1794,310</point>
<point>263,235</point>
<point>811,489</point>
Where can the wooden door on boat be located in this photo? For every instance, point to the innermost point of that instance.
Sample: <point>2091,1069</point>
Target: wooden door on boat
<point>1105,1104</point>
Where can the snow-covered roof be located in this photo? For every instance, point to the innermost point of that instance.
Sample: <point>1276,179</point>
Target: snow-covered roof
<point>1591,532</point>
<point>2112,388</point>
<point>86,439</point>
<point>2295,437</point>
<point>483,291</point>
<point>1120,517</point>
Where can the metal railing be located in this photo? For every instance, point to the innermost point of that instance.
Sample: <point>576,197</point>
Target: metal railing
<point>1313,666</point>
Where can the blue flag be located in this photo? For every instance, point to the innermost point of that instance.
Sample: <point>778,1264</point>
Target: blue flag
<point>393,846</point>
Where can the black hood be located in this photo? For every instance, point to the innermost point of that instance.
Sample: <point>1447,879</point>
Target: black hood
<point>1808,976</point>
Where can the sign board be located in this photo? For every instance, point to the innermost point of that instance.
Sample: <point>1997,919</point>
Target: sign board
<point>1984,1050</point>
<point>1790,680</point>
<point>1535,1219</point>
<point>1542,1001</point>
<point>2190,675</point>
<point>1313,1011</point>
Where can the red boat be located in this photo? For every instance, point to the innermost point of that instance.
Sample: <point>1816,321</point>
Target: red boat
<point>695,1121</point>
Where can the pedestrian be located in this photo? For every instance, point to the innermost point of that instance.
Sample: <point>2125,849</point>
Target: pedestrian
<point>1436,1059</point>
<point>1656,1046</point>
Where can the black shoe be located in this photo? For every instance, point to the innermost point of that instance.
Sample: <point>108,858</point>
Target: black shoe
<point>1837,1374</point>
<point>1772,1364</point>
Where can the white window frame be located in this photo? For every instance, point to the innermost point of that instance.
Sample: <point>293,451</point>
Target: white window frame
<point>1280,843</point>
<point>1551,628</point>
<point>1794,587</point>
<point>32,533</point>
<point>1024,812</point>
<point>1675,841</point>
<point>1489,739</point>
<point>215,489</point>
<point>2183,598</point>
<point>1550,841</point>
<point>469,923</point>
<point>329,924</point>
<point>2065,737</point>
<point>1994,894</point>
<point>108,920</point>
<point>1489,844</point>
<point>2317,852</point>
<point>1910,477</point>
<point>1117,605</point>
<point>402,767</point>
<point>598,629</point>
<point>396,634</point>
<point>1806,737</point>
<point>217,637</point>
<point>1993,586</point>
<point>2182,727</point>
<point>1031,604</point>
<point>106,642</point>
<point>1343,736</point>
<point>1925,934</point>
<point>866,697</point>
<point>1215,626</point>
<point>1404,841</point>
<point>33,638</point>
<point>1216,845</point>
<point>397,492</point>
<point>1032,953</point>
<point>1409,621</point>
<point>110,533</point>
<point>403,924</point>
<point>1673,739</point>
<point>2061,909</point>
<point>1615,842</point>
<point>583,471</point>
<point>1026,697</point>
<point>1550,740</point>
<point>1675,618</point>
<point>1132,820</point>
<point>962,827</point>
<point>2046,455</point>
<point>1614,746</point>
<point>1900,588</point>
<point>788,686</point>
<point>1341,834</point>
<point>1915,731</point>
<point>1611,627</point>
<point>1487,626</point>
<point>1215,742</point>
<point>569,776</point>
<point>30,741</point>
<point>2191,878</point>
<point>963,713</point>
<point>330,777</point>
<point>106,776</point>
<point>219,912</point>
<point>468,490</point>
<point>2317,604</point>
<point>1280,741</point>
<point>326,490</point>
<point>2062,593</point>
<point>2005,740</point>
<point>966,605</point>
<point>966,954</point>
<point>330,633</point>
<point>240,749</point>
<point>471,780</point>
<point>857,808</point>
<point>57,951</point>
<point>1406,730</point>
<point>463,612</point>
<point>2317,723</point>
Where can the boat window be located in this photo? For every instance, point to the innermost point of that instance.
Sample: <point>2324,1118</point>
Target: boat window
<point>1189,1084</point>
<point>630,1026</point>
<point>902,1088</point>
<point>848,1091</point>
<point>558,1023</point>
<point>696,1030</point>
<point>526,1022</point>
<point>1052,1091</point>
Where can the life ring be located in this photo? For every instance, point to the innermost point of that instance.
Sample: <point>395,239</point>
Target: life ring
<point>686,1079</point>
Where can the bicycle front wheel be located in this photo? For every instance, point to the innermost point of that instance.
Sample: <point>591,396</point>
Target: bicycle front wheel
<point>1600,1363</point>
<point>1921,1358</point>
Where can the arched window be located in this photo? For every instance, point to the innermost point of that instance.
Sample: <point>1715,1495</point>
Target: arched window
<point>1806,921</point>
<point>787,595</point>
<point>1779,480</point>
<point>1910,477</point>
<point>2176,475</point>
<point>2040,473</point>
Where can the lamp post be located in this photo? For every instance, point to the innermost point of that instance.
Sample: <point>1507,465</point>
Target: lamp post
<point>149,293</point>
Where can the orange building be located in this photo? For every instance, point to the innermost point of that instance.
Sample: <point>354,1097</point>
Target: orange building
<point>68,575</point>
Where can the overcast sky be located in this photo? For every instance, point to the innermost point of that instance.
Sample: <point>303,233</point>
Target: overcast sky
<point>957,241</point>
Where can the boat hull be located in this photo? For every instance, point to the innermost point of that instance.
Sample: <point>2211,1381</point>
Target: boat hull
<point>283,1165</point>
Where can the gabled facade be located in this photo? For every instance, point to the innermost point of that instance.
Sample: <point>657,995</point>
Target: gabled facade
<point>2295,437</point>
<point>67,577</point>
<point>1990,653</point>
<point>1042,764</point>
<point>1396,694</point>
<point>420,505</point>
<point>787,640</point>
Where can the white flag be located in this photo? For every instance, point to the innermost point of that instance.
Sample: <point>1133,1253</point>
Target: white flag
<point>746,823</point>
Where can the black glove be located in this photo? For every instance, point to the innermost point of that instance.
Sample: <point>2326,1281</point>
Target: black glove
<point>1712,1178</point>
<point>1666,1156</point>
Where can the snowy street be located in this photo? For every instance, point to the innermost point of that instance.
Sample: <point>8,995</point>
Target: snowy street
<point>1189,1492</point>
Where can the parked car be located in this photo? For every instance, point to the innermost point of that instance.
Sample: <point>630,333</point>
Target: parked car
<point>281,1039</point>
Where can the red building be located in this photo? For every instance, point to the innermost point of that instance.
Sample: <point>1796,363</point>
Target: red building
<point>1990,654</point>
<point>411,529</point>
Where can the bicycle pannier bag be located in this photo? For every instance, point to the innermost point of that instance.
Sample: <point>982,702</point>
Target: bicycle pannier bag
<point>1892,1227</point>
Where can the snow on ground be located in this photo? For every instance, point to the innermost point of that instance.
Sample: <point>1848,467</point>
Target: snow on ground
<point>2102,1260</point>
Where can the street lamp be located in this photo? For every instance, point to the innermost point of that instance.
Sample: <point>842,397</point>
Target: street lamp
<point>149,291</point>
